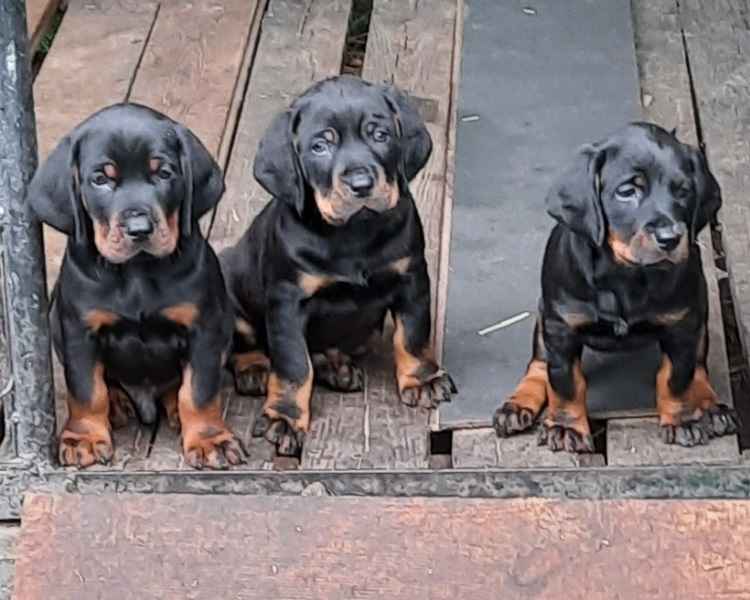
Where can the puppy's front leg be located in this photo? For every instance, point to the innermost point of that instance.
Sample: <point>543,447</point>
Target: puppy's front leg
<point>206,439</point>
<point>566,424</point>
<point>86,438</point>
<point>421,381</point>
<point>286,412</point>
<point>689,411</point>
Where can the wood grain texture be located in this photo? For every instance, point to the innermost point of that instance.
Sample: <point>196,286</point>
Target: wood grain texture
<point>9,532</point>
<point>369,430</point>
<point>637,442</point>
<point>411,44</point>
<point>301,42</point>
<point>39,14</point>
<point>443,268</point>
<point>159,546</point>
<point>481,448</point>
<point>191,65</point>
<point>718,44</point>
<point>666,99</point>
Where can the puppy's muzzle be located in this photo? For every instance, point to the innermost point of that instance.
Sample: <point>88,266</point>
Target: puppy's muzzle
<point>360,181</point>
<point>137,224</point>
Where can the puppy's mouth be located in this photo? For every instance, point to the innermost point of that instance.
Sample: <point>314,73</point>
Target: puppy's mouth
<point>644,250</point>
<point>125,236</point>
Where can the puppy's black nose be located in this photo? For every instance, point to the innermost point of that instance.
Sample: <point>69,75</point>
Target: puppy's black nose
<point>137,224</point>
<point>667,238</point>
<point>360,181</point>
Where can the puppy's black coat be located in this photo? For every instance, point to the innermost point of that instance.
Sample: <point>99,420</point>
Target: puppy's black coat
<point>140,306</point>
<point>621,269</point>
<point>339,245</point>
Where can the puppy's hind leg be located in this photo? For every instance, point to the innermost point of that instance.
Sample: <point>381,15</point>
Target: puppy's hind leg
<point>250,365</point>
<point>521,409</point>
<point>337,371</point>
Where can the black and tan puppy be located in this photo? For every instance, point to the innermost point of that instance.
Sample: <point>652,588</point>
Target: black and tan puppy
<point>140,310</point>
<point>622,268</point>
<point>338,247</point>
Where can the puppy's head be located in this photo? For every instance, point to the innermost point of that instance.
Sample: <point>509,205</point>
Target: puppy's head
<point>640,191</point>
<point>129,179</point>
<point>345,144</point>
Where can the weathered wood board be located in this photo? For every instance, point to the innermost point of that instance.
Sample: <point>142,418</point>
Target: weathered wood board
<point>161,546</point>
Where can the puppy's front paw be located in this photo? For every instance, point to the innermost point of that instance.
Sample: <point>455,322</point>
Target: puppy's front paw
<point>511,418</point>
<point>288,442</point>
<point>211,447</point>
<point>337,371</point>
<point>558,437</point>
<point>427,393</point>
<point>716,421</point>
<point>563,431</point>
<point>83,444</point>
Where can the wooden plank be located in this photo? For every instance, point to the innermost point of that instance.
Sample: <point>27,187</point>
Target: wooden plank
<point>301,42</point>
<point>637,442</point>
<point>666,98</point>
<point>411,44</point>
<point>718,45</point>
<point>369,430</point>
<point>9,532</point>
<point>450,183</point>
<point>138,546</point>
<point>190,73</point>
<point>39,16</point>
<point>481,448</point>
<point>374,429</point>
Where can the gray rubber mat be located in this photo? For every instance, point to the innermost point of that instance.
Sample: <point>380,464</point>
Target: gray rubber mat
<point>538,79</point>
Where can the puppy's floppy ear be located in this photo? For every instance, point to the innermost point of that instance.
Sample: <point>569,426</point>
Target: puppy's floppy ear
<point>55,192</point>
<point>574,199</point>
<point>416,143</point>
<point>707,193</point>
<point>276,166</point>
<point>204,179</point>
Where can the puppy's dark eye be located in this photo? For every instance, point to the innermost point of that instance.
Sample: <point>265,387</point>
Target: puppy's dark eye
<point>380,135</point>
<point>100,179</point>
<point>628,192</point>
<point>319,147</point>
<point>164,173</point>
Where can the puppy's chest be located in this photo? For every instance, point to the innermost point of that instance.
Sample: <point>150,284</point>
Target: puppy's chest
<point>356,280</point>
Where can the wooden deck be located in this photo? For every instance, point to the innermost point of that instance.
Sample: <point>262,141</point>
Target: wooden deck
<point>241,61</point>
<point>203,547</point>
